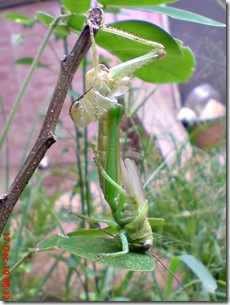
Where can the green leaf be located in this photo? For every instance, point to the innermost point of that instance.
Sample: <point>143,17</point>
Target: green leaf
<point>90,247</point>
<point>29,61</point>
<point>146,30</point>
<point>175,261</point>
<point>63,30</point>
<point>170,69</point>
<point>201,272</point>
<point>46,19</point>
<point>134,2</point>
<point>76,22</point>
<point>50,242</point>
<point>26,21</point>
<point>77,7</point>
<point>177,66</point>
<point>180,14</point>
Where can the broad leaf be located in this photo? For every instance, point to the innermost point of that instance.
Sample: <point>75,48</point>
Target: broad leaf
<point>75,22</point>
<point>29,61</point>
<point>77,7</point>
<point>170,69</point>
<point>143,29</point>
<point>50,242</point>
<point>180,14</point>
<point>46,19</point>
<point>177,66</point>
<point>62,30</point>
<point>201,272</point>
<point>90,247</point>
<point>26,21</point>
<point>94,232</point>
<point>134,2</point>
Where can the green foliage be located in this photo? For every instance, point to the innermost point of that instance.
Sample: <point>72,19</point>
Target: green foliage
<point>76,22</point>
<point>179,14</point>
<point>178,58</point>
<point>47,20</point>
<point>29,61</point>
<point>82,6</point>
<point>201,272</point>
<point>194,201</point>
<point>26,21</point>
<point>135,2</point>
<point>183,15</point>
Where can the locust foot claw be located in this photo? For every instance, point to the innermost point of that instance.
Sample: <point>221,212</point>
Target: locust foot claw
<point>96,155</point>
<point>100,256</point>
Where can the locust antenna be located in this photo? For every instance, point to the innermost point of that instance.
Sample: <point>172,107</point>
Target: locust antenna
<point>89,222</point>
<point>170,272</point>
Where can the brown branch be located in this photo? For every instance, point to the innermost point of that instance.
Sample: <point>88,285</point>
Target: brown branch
<point>46,137</point>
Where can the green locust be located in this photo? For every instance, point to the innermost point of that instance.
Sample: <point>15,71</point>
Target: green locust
<point>122,187</point>
<point>123,192</point>
<point>119,180</point>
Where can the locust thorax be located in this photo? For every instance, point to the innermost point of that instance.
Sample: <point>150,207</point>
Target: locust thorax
<point>98,80</point>
<point>104,83</point>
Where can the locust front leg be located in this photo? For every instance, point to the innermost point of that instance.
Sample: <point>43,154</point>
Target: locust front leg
<point>125,249</point>
<point>110,223</point>
<point>108,159</point>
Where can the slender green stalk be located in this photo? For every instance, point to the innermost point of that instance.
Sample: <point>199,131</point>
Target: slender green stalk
<point>30,197</point>
<point>87,190</point>
<point>163,164</point>
<point>86,167</point>
<point>31,133</point>
<point>144,101</point>
<point>87,186</point>
<point>79,165</point>
<point>221,4</point>
<point>27,79</point>
<point>7,146</point>
<point>29,254</point>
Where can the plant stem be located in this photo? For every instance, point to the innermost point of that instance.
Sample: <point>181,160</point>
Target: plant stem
<point>87,187</point>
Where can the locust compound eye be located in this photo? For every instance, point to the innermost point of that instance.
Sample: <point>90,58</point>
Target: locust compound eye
<point>147,245</point>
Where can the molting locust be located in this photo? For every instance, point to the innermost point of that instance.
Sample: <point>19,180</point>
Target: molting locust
<point>119,180</point>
